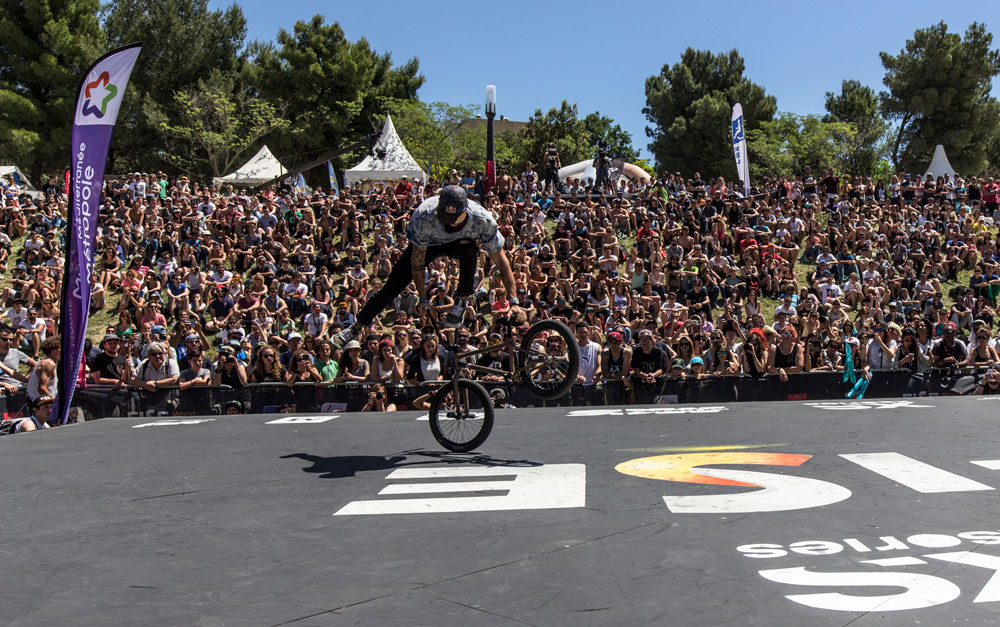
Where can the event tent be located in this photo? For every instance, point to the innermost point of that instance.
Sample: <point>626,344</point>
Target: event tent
<point>264,166</point>
<point>619,169</point>
<point>939,164</point>
<point>19,177</point>
<point>390,160</point>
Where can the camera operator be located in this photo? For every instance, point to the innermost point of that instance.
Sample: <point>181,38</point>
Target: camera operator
<point>228,370</point>
<point>603,166</point>
<point>552,165</point>
<point>377,400</point>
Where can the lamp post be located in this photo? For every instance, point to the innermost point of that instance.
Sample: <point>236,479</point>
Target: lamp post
<point>491,112</point>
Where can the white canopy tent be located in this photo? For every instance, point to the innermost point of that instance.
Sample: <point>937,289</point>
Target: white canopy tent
<point>264,166</point>
<point>391,160</point>
<point>939,164</point>
<point>19,177</point>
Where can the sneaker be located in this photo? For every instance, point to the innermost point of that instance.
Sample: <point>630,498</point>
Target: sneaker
<point>456,315</point>
<point>345,336</point>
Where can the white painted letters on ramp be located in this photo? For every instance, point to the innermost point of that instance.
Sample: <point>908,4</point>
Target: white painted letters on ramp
<point>914,474</point>
<point>550,486</point>
<point>173,423</point>
<point>780,493</point>
<point>920,590</point>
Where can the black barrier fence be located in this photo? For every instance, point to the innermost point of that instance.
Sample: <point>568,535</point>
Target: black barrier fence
<point>104,401</point>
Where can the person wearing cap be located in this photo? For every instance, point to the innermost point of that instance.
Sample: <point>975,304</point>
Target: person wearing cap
<point>352,368</point>
<point>107,367</point>
<point>696,369</point>
<point>40,419</point>
<point>196,369</point>
<point>447,225</point>
<point>676,371</point>
<point>316,321</point>
<point>228,369</point>
<point>497,359</point>
<point>17,313</point>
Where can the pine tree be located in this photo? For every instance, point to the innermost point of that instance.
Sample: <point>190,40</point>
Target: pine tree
<point>939,93</point>
<point>45,47</point>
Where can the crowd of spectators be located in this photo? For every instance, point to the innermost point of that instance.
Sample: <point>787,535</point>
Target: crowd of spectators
<point>672,278</point>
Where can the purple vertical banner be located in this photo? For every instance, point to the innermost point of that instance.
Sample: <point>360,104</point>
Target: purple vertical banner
<point>97,104</point>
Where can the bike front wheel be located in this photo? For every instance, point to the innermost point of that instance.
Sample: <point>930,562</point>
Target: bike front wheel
<point>549,375</point>
<point>461,415</point>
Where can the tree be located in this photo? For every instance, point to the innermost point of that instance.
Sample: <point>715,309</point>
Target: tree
<point>561,126</point>
<point>469,145</point>
<point>789,143</point>
<point>939,93</point>
<point>690,106</point>
<point>858,105</point>
<point>183,42</point>
<point>336,91</point>
<point>45,47</point>
<point>576,139</point>
<point>602,129</point>
<point>218,121</point>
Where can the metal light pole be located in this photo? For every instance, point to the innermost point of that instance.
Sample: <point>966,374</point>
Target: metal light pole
<point>491,112</point>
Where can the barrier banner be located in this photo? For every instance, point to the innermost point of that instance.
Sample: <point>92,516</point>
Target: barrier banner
<point>98,100</point>
<point>100,401</point>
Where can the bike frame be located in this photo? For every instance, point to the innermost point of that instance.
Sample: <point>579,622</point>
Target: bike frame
<point>509,344</point>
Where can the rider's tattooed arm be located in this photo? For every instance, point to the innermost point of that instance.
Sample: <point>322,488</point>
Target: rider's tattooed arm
<point>419,266</point>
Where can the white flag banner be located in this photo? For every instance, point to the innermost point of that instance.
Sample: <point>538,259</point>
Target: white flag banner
<point>740,148</point>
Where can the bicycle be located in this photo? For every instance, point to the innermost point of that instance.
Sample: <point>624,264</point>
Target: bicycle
<point>461,411</point>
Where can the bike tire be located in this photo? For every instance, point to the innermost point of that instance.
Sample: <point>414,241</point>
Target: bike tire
<point>550,391</point>
<point>462,429</point>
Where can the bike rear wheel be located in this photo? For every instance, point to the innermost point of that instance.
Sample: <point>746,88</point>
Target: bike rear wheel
<point>461,415</point>
<point>549,377</point>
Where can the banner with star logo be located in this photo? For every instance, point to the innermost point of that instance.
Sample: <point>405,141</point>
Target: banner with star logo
<point>98,101</point>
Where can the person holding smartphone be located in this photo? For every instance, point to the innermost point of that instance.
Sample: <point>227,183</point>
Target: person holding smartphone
<point>882,346</point>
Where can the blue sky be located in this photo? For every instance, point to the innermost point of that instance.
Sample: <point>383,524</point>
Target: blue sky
<point>598,54</point>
